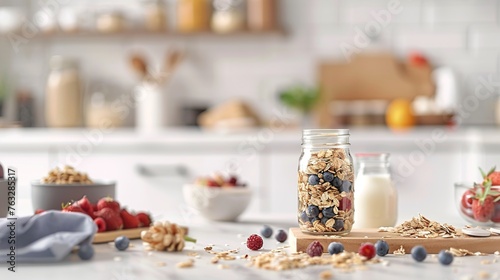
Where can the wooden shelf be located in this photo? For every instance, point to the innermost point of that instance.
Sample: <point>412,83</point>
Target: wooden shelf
<point>148,33</point>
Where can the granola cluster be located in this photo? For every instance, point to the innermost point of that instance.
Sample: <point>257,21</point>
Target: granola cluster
<point>326,192</point>
<point>67,175</point>
<point>421,227</point>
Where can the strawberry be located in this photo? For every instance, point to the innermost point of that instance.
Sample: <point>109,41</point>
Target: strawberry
<point>144,219</point>
<point>495,178</point>
<point>101,224</point>
<point>85,204</point>
<point>72,207</point>
<point>467,198</point>
<point>483,209</point>
<point>108,202</point>
<point>129,220</point>
<point>111,217</point>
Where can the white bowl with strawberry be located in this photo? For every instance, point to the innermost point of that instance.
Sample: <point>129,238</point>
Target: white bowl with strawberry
<point>218,198</point>
<point>479,203</point>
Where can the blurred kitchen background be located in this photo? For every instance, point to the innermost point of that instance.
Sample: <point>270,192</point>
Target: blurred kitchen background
<point>250,51</point>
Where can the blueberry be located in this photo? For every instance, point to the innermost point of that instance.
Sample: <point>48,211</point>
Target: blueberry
<point>303,217</point>
<point>328,212</point>
<point>122,242</point>
<point>327,176</point>
<point>336,182</point>
<point>312,211</point>
<point>335,248</point>
<point>418,253</point>
<point>313,180</point>
<point>281,236</point>
<point>339,225</point>
<point>445,257</point>
<point>382,248</point>
<point>324,219</point>
<point>86,252</point>
<point>346,186</point>
<point>266,231</point>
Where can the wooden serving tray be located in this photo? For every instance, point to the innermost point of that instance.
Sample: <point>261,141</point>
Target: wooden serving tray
<point>299,241</point>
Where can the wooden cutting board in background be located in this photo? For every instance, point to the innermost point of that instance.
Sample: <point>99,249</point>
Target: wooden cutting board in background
<point>299,241</point>
<point>376,76</point>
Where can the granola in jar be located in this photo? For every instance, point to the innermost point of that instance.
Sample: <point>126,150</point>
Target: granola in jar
<point>325,182</point>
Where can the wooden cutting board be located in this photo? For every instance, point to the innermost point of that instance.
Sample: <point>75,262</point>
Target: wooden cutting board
<point>109,236</point>
<point>299,241</point>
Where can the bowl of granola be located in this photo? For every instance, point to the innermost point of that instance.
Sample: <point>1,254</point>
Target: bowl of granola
<point>63,185</point>
<point>217,198</point>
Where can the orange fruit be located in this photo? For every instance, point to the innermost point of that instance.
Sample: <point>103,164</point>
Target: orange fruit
<point>399,114</point>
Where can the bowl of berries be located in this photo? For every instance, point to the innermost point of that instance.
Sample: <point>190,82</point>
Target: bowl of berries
<point>479,203</point>
<point>218,197</point>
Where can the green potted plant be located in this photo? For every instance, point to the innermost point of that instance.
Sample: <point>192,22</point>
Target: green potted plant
<point>301,99</point>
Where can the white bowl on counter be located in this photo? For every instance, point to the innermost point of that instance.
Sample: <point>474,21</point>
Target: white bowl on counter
<point>217,203</point>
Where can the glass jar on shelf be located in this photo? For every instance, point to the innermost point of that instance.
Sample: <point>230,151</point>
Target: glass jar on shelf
<point>102,108</point>
<point>228,16</point>
<point>155,16</point>
<point>376,195</point>
<point>192,15</point>
<point>63,103</point>
<point>325,182</point>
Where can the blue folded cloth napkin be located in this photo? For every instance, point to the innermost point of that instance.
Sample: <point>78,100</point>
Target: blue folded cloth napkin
<point>46,237</point>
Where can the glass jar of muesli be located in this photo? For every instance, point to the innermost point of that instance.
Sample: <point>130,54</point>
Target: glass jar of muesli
<point>325,182</point>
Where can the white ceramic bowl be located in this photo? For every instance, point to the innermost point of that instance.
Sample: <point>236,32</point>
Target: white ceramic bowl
<point>217,203</point>
<point>51,196</point>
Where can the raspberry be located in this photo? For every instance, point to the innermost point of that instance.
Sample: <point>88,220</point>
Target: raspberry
<point>367,250</point>
<point>254,242</point>
<point>315,249</point>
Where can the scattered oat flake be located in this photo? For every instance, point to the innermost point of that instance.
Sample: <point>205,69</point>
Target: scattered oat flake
<point>483,275</point>
<point>117,259</point>
<point>161,264</point>
<point>185,264</point>
<point>385,263</point>
<point>239,235</point>
<point>193,254</point>
<point>325,275</point>
<point>479,254</point>
<point>208,248</point>
<point>497,253</point>
<point>485,262</point>
<point>460,252</point>
<point>400,251</point>
<point>223,266</point>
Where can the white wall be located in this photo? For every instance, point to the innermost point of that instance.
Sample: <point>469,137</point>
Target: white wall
<point>463,34</point>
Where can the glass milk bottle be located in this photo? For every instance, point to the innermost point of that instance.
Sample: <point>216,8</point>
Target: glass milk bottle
<point>325,182</point>
<point>376,197</point>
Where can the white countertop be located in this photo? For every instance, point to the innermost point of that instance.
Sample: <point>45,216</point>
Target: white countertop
<point>135,263</point>
<point>44,138</point>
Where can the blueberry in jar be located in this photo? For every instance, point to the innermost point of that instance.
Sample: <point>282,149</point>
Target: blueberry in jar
<point>339,225</point>
<point>303,217</point>
<point>328,212</point>
<point>328,176</point>
<point>324,219</point>
<point>336,182</point>
<point>312,211</point>
<point>346,186</point>
<point>313,179</point>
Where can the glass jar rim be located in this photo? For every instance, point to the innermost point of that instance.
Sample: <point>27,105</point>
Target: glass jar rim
<point>325,132</point>
<point>372,157</point>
